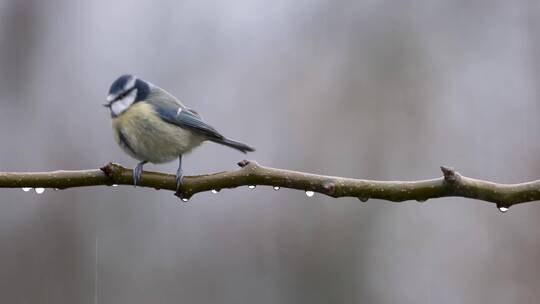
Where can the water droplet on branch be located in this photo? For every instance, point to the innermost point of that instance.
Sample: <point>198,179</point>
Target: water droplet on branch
<point>503,209</point>
<point>276,188</point>
<point>39,190</point>
<point>215,191</point>
<point>26,189</point>
<point>363,199</point>
<point>310,193</point>
<point>115,185</point>
<point>252,187</point>
<point>185,200</point>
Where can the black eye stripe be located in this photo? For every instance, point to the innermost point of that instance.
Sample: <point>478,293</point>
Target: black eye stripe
<point>124,94</point>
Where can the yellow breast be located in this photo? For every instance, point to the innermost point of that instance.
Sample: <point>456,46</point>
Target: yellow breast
<point>145,136</point>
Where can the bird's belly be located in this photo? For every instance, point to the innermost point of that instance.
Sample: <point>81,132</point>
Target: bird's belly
<point>144,136</point>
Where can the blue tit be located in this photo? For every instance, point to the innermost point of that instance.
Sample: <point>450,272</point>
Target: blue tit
<point>151,125</point>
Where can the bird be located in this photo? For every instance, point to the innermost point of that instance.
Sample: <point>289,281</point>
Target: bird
<point>151,125</point>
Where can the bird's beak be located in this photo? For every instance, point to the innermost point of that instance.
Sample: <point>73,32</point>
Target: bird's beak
<point>110,99</point>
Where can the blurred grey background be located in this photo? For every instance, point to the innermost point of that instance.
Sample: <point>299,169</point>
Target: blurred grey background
<point>370,89</point>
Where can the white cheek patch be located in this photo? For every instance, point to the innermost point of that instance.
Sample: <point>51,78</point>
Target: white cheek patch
<point>119,106</point>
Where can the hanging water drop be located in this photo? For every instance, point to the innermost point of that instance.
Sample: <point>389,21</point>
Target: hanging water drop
<point>421,200</point>
<point>215,191</point>
<point>185,200</point>
<point>503,209</point>
<point>252,187</point>
<point>39,190</point>
<point>310,193</point>
<point>276,188</point>
<point>363,199</point>
<point>26,189</point>
<point>115,185</point>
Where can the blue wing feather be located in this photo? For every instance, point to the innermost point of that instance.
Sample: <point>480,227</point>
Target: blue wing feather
<point>186,118</point>
<point>174,112</point>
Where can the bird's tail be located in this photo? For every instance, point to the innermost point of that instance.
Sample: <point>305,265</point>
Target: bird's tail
<point>233,144</point>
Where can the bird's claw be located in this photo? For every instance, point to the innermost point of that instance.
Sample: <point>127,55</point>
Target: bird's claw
<point>179,176</point>
<point>137,172</point>
<point>179,182</point>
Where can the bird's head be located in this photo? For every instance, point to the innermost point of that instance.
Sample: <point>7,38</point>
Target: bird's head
<point>124,92</point>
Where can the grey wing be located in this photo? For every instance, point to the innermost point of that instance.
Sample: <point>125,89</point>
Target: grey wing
<point>172,112</point>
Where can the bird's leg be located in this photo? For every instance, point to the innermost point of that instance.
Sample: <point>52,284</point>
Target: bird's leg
<point>137,172</point>
<point>179,174</point>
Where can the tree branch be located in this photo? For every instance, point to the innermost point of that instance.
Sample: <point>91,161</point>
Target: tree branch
<point>250,174</point>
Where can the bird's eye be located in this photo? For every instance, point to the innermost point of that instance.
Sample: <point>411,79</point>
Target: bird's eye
<point>121,96</point>
<point>124,94</point>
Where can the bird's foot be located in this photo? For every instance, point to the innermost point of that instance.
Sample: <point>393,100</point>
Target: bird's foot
<point>179,181</point>
<point>137,172</point>
<point>179,177</point>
